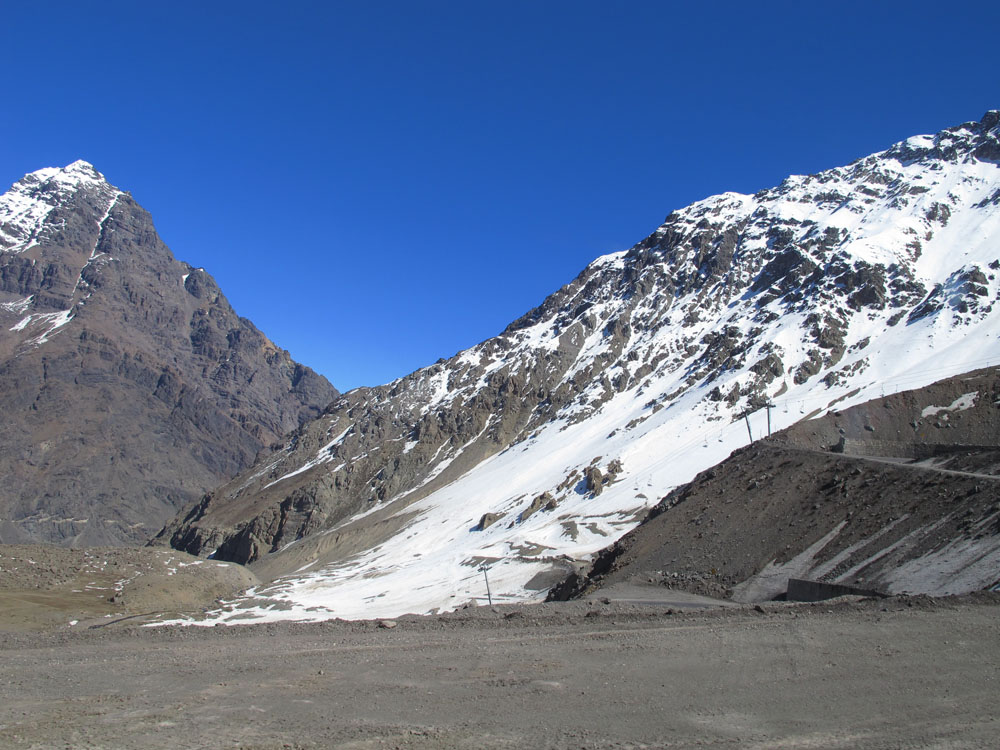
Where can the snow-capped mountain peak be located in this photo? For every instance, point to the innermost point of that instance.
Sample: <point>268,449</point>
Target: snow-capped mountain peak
<point>25,208</point>
<point>113,351</point>
<point>550,440</point>
<point>78,172</point>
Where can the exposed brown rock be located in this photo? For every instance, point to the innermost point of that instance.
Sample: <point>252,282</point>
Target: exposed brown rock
<point>154,392</point>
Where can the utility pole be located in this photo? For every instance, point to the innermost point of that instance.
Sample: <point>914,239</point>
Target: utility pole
<point>769,405</point>
<point>746,418</point>
<point>489,596</point>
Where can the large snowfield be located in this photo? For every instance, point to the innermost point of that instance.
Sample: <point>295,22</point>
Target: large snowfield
<point>662,431</point>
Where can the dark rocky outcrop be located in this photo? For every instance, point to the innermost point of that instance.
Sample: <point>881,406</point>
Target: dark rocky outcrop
<point>487,520</point>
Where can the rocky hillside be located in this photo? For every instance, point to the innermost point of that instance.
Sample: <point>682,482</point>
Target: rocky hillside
<point>900,495</point>
<point>554,438</point>
<point>128,384</point>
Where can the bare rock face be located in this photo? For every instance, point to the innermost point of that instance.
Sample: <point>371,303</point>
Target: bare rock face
<point>128,384</point>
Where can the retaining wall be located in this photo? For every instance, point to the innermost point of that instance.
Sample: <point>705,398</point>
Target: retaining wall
<point>895,449</point>
<point>801,590</point>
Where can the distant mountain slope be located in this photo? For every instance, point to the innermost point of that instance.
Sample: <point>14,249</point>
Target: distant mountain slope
<point>553,438</point>
<point>127,383</point>
<point>788,507</point>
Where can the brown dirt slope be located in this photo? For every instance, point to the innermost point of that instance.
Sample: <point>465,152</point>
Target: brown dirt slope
<point>42,586</point>
<point>915,509</point>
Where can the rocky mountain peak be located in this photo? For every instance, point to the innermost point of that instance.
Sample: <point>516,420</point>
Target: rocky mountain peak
<point>79,173</point>
<point>26,209</point>
<point>651,365</point>
<point>113,352</point>
<point>81,170</point>
<point>978,140</point>
<point>52,182</point>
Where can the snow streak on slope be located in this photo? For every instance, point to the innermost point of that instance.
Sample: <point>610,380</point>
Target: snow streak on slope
<point>824,292</point>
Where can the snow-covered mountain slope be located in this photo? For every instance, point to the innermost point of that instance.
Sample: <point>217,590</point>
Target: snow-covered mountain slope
<point>128,385</point>
<point>552,439</point>
<point>905,502</point>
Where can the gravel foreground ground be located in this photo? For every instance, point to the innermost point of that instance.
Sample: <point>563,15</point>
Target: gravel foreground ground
<point>891,673</point>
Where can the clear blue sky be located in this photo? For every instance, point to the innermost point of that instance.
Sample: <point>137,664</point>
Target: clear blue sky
<point>379,184</point>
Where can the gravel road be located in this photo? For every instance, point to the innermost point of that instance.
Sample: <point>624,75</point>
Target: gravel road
<point>870,674</point>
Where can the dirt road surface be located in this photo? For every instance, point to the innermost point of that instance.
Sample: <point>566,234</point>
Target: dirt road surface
<point>873,674</point>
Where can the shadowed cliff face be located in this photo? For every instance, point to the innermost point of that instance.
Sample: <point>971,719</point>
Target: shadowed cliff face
<point>128,384</point>
<point>812,292</point>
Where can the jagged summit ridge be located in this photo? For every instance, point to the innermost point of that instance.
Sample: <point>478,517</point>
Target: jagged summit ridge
<point>812,295</point>
<point>26,206</point>
<point>31,220</point>
<point>77,173</point>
